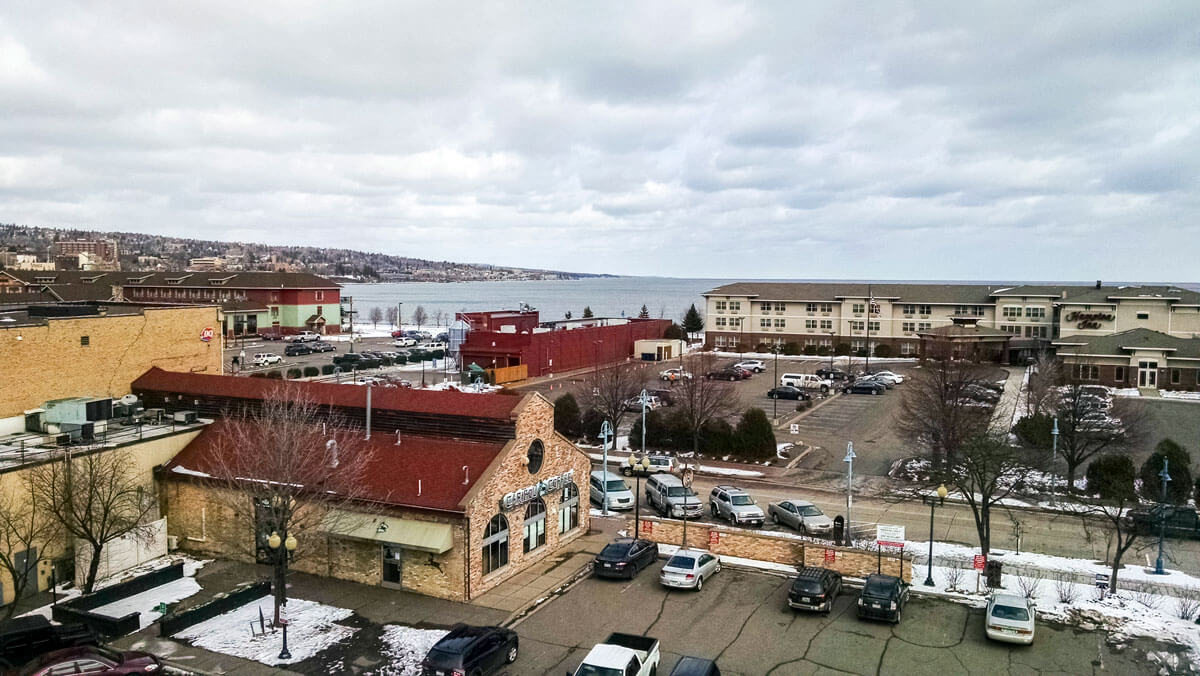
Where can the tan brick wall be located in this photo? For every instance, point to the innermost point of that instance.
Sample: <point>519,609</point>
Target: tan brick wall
<point>120,348</point>
<point>763,546</point>
<point>535,421</point>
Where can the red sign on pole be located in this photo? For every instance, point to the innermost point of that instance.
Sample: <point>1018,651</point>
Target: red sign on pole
<point>207,334</point>
<point>830,555</point>
<point>714,537</point>
<point>979,561</point>
<point>647,526</point>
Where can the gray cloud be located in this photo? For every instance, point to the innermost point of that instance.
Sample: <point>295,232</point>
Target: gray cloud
<point>891,140</point>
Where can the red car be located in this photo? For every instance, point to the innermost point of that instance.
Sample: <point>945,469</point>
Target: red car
<point>90,660</point>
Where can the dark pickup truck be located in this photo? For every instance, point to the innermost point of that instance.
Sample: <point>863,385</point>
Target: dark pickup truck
<point>24,638</point>
<point>1182,521</point>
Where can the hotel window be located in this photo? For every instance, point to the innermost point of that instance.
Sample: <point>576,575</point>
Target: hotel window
<point>810,323</point>
<point>827,324</point>
<point>924,326</point>
<point>319,295</point>
<point>858,308</point>
<point>780,307</point>
<point>495,544</point>
<point>1011,311</point>
<point>535,525</point>
<point>977,310</point>
<point>779,323</point>
<point>1086,372</point>
<point>873,326</point>
<point>924,309</point>
<point>810,307</point>
<point>906,348</point>
<point>764,323</point>
<point>1035,312</point>
<point>908,327</point>
<point>735,306</point>
<point>1119,374</point>
<point>720,341</point>
<point>1009,328</point>
<point>764,307</point>
<point>910,309</point>
<point>1035,332</point>
<point>826,307</point>
<point>1143,315</point>
<point>568,508</point>
<point>721,305</point>
<point>720,322</point>
<point>856,326</point>
<point>857,345</point>
<point>1176,376</point>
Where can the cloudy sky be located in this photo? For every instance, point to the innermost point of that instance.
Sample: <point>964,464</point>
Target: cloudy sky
<point>817,140</point>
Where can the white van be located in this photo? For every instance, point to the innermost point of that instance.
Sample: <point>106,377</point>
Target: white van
<point>805,381</point>
<point>604,484</point>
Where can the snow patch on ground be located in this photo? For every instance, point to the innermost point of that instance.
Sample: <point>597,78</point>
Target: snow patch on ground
<point>458,387</point>
<point>311,629</point>
<point>1170,394</point>
<point>1124,392</point>
<point>668,550</point>
<point>406,647</point>
<point>147,602</point>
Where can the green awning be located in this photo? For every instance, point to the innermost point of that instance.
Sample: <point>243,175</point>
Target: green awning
<point>425,536</point>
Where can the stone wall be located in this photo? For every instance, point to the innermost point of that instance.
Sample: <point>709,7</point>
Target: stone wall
<point>777,548</point>
<point>118,349</point>
<point>509,472</point>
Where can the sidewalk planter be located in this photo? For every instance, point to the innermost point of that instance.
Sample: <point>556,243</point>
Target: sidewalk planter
<point>79,608</point>
<point>177,622</point>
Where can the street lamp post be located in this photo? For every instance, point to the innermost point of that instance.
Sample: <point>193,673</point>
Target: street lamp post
<point>638,468</point>
<point>831,351</point>
<point>281,561</point>
<point>775,400</point>
<point>400,317</point>
<point>606,433</point>
<point>1053,460</point>
<point>849,460</point>
<point>1162,518</point>
<point>929,499</point>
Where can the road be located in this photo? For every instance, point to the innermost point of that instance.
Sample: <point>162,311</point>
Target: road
<point>1042,532</point>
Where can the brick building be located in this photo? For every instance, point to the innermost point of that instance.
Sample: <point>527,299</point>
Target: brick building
<point>251,302</point>
<point>478,488</point>
<point>96,349</point>
<point>516,338</point>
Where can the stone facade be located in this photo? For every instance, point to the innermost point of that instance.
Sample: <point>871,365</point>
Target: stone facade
<point>214,521</point>
<point>777,548</point>
<point>102,355</point>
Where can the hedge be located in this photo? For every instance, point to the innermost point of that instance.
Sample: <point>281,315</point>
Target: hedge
<point>327,369</point>
<point>259,374</point>
<point>293,374</point>
<point>275,374</point>
<point>310,371</point>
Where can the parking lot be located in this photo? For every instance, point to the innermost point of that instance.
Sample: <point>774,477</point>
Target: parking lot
<point>252,347</point>
<point>741,620</point>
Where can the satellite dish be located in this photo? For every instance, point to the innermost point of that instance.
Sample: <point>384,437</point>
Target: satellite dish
<point>129,399</point>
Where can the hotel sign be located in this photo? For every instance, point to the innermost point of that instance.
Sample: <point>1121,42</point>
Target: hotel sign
<point>1088,320</point>
<point>549,485</point>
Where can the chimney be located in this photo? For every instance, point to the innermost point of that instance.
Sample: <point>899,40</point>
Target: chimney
<point>1097,284</point>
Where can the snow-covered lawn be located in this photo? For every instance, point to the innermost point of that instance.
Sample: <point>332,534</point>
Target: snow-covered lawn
<point>407,646</point>
<point>147,602</point>
<point>311,628</point>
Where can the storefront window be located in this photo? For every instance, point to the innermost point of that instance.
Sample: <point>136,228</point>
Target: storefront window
<point>495,544</point>
<point>568,509</point>
<point>535,525</point>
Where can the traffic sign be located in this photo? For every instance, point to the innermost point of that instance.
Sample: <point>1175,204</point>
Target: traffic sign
<point>714,537</point>
<point>830,555</point>
<point>889,536</point>
<point>687,477</point>
<point>794,428</point>
<point>207,334</point>
<point>647,526</point>
<point>979,561</point>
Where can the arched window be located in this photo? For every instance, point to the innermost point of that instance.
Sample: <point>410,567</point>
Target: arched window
<point>536,454</point>
<point>568,508</point>
<point>495,544</point>
<point>535,525</point>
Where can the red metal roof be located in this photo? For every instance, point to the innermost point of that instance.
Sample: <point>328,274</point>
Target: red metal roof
<point>394,471</point>
<point>351,396</point>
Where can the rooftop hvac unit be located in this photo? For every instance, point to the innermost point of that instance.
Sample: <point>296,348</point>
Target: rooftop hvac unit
<point>185,417</point>
<point>63,439</point>
<point>35,420</point>
<point>78,410</point>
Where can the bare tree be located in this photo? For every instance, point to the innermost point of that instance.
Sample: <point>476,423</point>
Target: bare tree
<point>1087,428</point>
<point>393,315</point>
<point>376,316</point>
<point>439,317</point>
<point>95,497</point>
<point>301,473</point>
<point>936,409</point>
<point>1041,392</point>
<point>607,390</point>
<point>24,526</point>
<point>419,316</point>
<point>699,400</point>
<point>1110,493</point>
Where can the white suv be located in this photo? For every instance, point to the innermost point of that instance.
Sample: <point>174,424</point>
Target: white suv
<point>755,365</point>
<point>265,359</point>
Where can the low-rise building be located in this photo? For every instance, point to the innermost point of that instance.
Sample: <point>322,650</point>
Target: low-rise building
<point>467,490</point>
<point>1141,358</point>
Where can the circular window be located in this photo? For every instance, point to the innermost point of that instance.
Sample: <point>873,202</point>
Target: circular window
<point>535,456</point>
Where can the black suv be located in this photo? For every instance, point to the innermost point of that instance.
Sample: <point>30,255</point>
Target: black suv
<point>832,374</point>
<point>883,598</point>
<point>296,349</point>
<point>814,589</point>
<point>471,650</point>
<point>347,360</point>
<point>624,557</point>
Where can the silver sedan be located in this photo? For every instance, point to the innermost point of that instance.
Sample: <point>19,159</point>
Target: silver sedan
<point>689,568</point>
<point>802,515</point>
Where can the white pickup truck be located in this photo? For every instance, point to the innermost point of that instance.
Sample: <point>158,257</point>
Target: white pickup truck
<point>621,655</point>
<point>303,337</point>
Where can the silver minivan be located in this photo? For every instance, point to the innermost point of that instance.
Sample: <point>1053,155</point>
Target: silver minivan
<point>667,494</point>
<point>619,495</point>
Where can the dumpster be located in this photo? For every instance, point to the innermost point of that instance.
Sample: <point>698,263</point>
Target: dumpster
<point>839,528</point>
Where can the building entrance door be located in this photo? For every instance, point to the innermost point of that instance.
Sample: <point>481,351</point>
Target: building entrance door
<point>393,569</point>
<point>1147,374</point>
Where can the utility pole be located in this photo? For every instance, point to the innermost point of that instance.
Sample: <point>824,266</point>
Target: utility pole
<point>849,460</point>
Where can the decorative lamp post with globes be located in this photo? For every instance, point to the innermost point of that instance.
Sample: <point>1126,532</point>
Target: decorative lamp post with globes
<point>933,502</point>
<point>281,562</point>
<point>637,468</point>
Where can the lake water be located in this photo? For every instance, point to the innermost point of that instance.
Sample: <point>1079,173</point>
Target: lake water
<point>607,296</point>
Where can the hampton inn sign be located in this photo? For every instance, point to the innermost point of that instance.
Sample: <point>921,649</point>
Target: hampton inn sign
<point>548,485</point>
